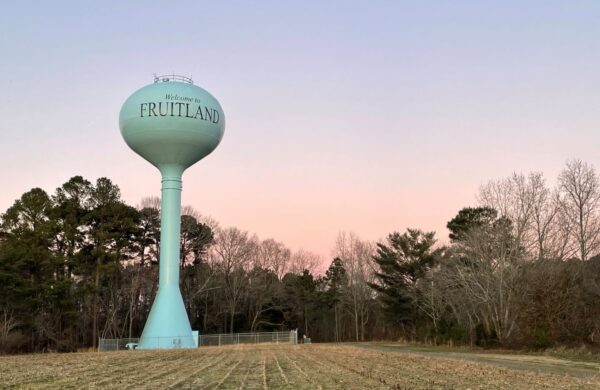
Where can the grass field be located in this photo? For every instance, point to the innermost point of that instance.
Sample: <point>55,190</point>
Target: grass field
<point>569,362</point>
<point>271,367</point>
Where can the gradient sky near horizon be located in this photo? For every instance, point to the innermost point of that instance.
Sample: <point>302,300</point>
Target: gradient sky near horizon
<point>368,117</point>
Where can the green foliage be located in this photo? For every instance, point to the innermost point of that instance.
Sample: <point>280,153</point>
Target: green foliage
<point>81,264</point>
<point>32,274</point>
<point>299,303</point>
<point>402,261</point>
<point>196,237</point>
<point>469,218</point>
<point>335,280</point>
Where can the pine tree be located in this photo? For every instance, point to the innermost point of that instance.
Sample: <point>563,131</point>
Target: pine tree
<point>401,262</point>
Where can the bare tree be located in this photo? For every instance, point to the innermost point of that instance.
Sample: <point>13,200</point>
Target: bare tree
<point>483,279</point>
<point>7,324</point>
<point>304,260</point>
<point>552,230</point>
<point>515,198</point>
<point>152,202</point>
<point>356,256</point>
<point>580,204</point>
<point>263,288</point>
<point>429,297</point>
<point>274,256</point>
<point>232,254</point>
<point>205,219</point>
<point>562,243</point>
<point>540,224</point>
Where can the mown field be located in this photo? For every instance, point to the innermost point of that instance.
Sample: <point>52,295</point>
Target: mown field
<point>270,367</point>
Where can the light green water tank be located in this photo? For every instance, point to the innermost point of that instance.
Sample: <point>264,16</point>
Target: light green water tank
<point>172,122</point>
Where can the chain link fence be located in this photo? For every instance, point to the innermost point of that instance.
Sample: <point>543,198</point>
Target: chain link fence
<point>287,337</point>
<point>106,345</point>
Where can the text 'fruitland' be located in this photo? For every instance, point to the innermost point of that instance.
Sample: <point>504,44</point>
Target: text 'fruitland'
<point>179,109</point>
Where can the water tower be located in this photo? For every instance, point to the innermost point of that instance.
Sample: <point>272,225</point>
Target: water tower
<point>173,124</point>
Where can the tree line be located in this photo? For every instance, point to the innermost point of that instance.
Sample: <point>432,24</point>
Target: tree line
<point>521,269</point>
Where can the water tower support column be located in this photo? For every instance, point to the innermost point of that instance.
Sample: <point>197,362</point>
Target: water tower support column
<point>168,325</point>
<point>170,216</point>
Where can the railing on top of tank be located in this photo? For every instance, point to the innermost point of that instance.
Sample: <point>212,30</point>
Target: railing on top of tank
<point>287,337</point>
<point>172,77</point>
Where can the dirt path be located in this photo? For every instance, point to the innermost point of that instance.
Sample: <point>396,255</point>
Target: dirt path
<point>535,363</point>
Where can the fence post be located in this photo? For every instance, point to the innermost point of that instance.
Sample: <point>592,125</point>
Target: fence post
<point>219,340</point>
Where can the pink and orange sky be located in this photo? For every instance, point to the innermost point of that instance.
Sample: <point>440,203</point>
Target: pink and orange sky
<point>357,116</point>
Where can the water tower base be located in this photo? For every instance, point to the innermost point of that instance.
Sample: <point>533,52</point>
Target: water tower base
<point>168,326</point>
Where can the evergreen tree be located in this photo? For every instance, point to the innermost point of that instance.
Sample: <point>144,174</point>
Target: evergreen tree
<point>300,301</point>
<point>113,234</point>
<point>401,262</point>
<point>336,280</point>
<point>33,283</point>
<point>469,218</point>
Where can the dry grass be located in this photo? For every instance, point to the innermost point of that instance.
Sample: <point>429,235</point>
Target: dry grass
<point>269,367</point>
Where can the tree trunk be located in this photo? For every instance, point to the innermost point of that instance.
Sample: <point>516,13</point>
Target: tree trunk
<point>95,309</point>
<point>356,322</point>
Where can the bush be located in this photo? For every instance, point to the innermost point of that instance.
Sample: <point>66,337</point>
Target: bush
<point>13,342</point>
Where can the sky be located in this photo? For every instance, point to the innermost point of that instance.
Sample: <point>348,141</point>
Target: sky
<point>369,117</point>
